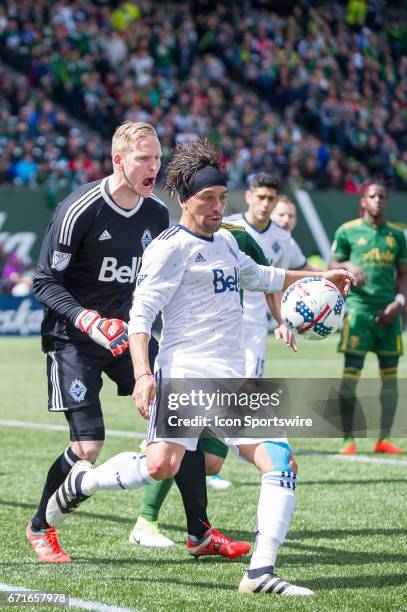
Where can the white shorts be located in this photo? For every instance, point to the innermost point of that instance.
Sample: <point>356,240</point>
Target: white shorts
<point>254,342</point>
<point>192,372</point>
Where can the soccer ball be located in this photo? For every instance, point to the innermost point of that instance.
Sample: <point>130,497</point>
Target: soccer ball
<point>312,308</point>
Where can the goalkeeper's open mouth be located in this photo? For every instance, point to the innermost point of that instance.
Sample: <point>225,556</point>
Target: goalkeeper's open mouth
<point>149,182</point>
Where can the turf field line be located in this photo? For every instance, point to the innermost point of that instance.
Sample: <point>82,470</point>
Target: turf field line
<point>74,602</point>
<point>362,459</point>
<point>115,433</point>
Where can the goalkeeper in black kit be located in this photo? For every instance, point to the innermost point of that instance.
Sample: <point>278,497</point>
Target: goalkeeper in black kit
<point>86,275</point>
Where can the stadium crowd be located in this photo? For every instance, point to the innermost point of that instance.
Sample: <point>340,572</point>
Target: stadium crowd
<point>311,96</point>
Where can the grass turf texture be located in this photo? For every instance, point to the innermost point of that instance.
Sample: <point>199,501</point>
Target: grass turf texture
<point>347,540</point>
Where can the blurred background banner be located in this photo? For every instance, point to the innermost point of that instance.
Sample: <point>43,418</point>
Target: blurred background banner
<point>19,316</point>
<point>24,214</point>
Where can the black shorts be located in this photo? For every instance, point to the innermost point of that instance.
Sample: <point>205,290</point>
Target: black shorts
<point>75,376</point>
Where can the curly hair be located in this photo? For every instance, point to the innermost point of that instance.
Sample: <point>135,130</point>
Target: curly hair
<point>188,159</point>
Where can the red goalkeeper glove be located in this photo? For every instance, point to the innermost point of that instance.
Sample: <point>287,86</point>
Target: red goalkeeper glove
<point>109,333</point>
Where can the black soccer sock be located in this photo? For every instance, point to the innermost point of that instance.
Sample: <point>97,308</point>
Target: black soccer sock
<point>57,473</point>
<point>347,400</point>
<point>191,482</point>
<point>388,394</point>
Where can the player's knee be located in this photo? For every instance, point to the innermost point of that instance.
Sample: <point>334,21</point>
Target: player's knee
<point>213,464</point>
<point>87,450</point>
<point>164,467</point>
<point>280,455</point>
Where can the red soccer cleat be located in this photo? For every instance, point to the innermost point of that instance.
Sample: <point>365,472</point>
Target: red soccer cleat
<point>385,446</point>
<point>46,545</point>
<point>349,447</point>
<point>214,543</point>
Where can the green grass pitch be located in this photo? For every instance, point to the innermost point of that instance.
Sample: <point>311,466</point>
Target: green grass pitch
<point>348,537</point>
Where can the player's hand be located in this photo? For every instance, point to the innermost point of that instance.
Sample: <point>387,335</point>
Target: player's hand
<point>343,279</point>
<point>388,314</point>
<point>144,394</point>
<point>109,333</point>
<point>283,333</point>
<point>360,276</point>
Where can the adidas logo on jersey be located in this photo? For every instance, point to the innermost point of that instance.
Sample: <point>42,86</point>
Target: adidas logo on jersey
<point>104,236</point>
<point>200,258</point>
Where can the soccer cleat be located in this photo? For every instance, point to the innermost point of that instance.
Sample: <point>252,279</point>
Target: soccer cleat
<point>68,497</point>
<point>385,446</point>
<point>349,447</point>
<point>146,533</point>
<point>271,583</point>
<point>46,545</point>
<point>214,543</point>
<point>217,482</point>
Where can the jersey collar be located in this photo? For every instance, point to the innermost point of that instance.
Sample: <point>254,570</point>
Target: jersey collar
<point>255,228</point>
<point>116,208</point>
<point>186,229</point>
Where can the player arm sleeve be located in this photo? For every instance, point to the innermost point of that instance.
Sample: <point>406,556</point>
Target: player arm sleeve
<point>340,250</point>
<point>160,275</point>
<point>296,258</point>
<point>56,257</point>
<point>259,278</point>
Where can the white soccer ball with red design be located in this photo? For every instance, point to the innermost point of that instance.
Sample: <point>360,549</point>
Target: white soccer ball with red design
<point>313,308</point>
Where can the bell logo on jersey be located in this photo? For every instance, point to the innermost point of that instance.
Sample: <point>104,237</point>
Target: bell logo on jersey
<point>222,284</point>
<point>110,271</point>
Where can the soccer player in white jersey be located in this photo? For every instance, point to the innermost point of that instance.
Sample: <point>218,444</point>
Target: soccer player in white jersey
<point>193,275</point>
<point>281,250</point>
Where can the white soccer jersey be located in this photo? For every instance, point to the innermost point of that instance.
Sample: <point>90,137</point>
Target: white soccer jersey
<point>195,282</point>
<point>281,250</point>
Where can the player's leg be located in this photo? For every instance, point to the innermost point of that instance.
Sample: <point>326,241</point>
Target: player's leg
<point>389,348</point>
<point>275,508</point>
<point>215,454</point>
<point>352,370</point>
<point>254,342</point>
<point>145,531</point>
<point>74,383</point>
<point>357,338</point>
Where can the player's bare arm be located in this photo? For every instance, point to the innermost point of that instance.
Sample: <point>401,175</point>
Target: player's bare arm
<point>341,277</point>
<point>282,332</point>
<point>144,388</point>
<point>360,276</point>
<point>394,308</point>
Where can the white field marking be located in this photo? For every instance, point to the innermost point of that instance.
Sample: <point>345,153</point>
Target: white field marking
<point>314,222</point>
<point>115,433</point>
<point>362,459</point>
<point>73,601</point>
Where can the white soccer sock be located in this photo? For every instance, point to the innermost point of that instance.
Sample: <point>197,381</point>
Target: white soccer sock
<point>123,471</point>
<point>274,512</point>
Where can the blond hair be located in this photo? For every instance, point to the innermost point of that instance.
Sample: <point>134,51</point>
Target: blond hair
<point>128,132</point>
<point>284,199</point>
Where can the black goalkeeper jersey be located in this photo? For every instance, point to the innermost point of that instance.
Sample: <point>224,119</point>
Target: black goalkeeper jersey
<point>90,258</point>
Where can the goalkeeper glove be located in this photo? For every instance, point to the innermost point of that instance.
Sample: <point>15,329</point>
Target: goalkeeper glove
<point>109,333</point>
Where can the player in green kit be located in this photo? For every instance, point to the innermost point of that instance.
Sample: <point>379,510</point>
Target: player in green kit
<point>375,251</point>
<point>145,531</point>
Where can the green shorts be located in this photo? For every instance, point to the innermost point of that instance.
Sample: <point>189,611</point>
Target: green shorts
<point>214,446</point>
<point>361,334</point>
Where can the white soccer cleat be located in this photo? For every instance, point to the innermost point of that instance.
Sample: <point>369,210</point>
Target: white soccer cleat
<point>271,583</point>
<point>218,483</point>
<point>68,496</point>
<point>146,533</point>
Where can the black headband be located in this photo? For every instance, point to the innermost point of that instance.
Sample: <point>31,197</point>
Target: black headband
<point>208,176</point>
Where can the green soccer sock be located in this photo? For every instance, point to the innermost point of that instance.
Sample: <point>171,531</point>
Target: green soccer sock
<point>153,498</point>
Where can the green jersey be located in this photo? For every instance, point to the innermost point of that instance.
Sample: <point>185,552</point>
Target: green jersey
<point>247,243</point>
<point>377,251</point>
